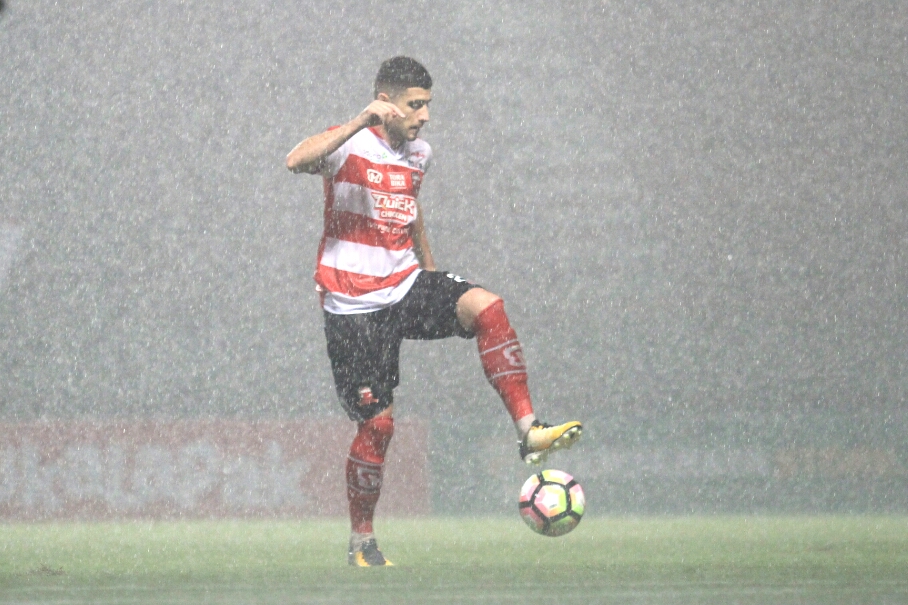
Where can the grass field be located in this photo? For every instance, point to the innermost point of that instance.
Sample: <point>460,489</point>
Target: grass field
<point>606,560</point>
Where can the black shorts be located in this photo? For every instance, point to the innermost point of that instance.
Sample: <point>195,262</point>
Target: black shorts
<point>364,348</point>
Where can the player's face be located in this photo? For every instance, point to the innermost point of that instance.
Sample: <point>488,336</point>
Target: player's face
<point>414,103</point>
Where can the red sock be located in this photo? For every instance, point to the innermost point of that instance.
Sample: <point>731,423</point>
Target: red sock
<point>364,470</point>
<point>502,359</point>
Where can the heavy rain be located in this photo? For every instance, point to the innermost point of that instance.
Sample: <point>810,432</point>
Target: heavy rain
<point>694,211</point>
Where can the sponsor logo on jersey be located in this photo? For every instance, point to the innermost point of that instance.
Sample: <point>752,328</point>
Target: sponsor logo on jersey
<point>375,156</point>
<point>393,207</point>
<point>374,176</point>
<point>390,229</point>
<point>398,180</point>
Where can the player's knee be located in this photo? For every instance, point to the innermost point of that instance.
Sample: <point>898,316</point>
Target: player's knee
<point>379,429</point>
<point>382,424</point>
<point>363,403</point>
<point>486,300</point>
<point>472,303</point>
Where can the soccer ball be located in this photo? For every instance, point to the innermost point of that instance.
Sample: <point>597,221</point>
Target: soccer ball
<point>551,503</point>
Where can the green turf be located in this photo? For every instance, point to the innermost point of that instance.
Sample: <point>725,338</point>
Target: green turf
<point>606,560</point>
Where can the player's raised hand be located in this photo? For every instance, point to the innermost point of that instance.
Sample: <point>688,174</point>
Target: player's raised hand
<point>380,112</point>
<point>309,155</point>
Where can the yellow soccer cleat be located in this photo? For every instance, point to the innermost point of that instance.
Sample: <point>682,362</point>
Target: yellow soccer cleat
<point>544,438</point>
<point>367,555</point>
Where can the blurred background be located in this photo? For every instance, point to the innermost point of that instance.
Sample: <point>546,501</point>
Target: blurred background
<point>695,212</point>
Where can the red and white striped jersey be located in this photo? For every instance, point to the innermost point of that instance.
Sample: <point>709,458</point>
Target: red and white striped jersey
<point>366,259</point>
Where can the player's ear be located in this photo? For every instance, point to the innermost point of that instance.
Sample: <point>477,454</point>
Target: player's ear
<point>383,96</point>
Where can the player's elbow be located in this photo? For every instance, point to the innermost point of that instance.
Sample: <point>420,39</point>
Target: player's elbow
<point>296,167</point>
<point>292,165</point>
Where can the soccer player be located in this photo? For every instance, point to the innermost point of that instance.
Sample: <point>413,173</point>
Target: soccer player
<point>379,285</point>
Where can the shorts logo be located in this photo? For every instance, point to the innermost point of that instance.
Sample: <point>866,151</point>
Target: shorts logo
<point>456,278</point>
<point>374,176</point>
<point>398,180</point>
<point>398,208</point>
<point>366,397</point>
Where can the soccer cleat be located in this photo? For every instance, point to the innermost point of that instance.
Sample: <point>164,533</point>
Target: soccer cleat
<point>367,555</point>
<point>542,439</point>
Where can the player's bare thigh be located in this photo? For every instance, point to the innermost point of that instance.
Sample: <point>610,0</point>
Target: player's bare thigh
<point>471,304</point>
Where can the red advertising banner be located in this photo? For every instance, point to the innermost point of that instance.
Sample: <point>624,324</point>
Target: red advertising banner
<point>198,468</point>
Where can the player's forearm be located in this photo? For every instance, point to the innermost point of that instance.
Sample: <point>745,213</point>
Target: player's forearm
<point>424,256</point>
<point>310,154</point>
<point>421,242</point>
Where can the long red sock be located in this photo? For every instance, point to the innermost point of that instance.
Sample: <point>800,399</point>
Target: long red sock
<point>502,359</point>
<point>364,470</point>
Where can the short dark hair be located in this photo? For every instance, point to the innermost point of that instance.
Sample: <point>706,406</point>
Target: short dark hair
<point>400,73</point>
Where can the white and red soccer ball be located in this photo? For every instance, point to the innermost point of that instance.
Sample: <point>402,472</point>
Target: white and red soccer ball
<point>551,503</point>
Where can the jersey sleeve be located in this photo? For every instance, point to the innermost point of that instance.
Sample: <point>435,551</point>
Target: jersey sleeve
<point>428,163</point>
<point>334,161</point>
<point>420,155</point>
